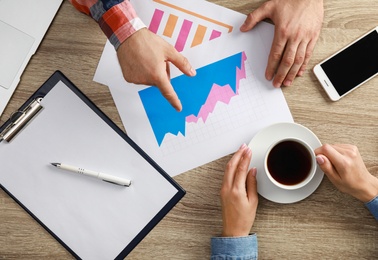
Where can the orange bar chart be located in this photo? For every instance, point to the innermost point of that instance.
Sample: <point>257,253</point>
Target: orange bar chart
<point>200,34</point>
<point>171,24</point>
<point>181,24</point>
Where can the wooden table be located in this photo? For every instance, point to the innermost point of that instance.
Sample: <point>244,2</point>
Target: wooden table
<point>326,225</point>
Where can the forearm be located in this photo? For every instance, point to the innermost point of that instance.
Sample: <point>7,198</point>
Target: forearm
<point>117,19</point>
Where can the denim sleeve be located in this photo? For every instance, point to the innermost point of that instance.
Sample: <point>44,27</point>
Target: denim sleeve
<point>373,207</point>
<point>234,248</point>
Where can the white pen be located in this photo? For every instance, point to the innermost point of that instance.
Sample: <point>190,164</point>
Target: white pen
<point>98,175</point>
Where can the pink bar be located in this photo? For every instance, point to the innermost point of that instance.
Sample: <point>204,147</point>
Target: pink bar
<point>155,21</point>
<point>215,34</point>
<point>183,35</point>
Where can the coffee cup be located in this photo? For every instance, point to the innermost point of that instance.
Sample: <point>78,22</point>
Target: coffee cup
<point>290,163</point>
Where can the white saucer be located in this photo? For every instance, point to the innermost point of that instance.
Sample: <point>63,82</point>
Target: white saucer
<point>259,145</point>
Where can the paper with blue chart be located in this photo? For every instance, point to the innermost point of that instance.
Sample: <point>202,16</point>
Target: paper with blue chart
<point>224,105</point>
<point>199,96</point>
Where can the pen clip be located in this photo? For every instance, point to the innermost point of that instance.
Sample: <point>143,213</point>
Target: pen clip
<point>19,119</point>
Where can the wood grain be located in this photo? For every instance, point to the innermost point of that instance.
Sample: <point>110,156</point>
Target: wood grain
<point>326,225</point>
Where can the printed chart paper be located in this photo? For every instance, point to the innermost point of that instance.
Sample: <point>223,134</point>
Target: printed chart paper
<point>224,105</point>
<point>199,96</point>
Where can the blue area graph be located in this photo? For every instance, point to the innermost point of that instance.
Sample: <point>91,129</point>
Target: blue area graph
<point>192,92</point>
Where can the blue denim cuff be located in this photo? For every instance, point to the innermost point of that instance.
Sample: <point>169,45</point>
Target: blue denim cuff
<point>373,207</point>
<point>235,248</point>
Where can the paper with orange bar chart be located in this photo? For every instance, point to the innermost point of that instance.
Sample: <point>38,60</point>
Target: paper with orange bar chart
<point>224,105</point>
<point>184,24</point>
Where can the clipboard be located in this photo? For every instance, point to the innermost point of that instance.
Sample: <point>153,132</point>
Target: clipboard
<point>92,219</point>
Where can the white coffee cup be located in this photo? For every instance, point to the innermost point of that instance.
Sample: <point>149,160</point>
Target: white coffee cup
<point>290,163</point>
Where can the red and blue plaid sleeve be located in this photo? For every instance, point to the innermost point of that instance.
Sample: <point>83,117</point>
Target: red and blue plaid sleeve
<point>117,18</point>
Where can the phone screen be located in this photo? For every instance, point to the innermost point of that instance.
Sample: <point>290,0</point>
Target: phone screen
<point>353,65</point>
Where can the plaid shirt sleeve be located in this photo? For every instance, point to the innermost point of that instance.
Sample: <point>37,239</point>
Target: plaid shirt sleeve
<point>117,18</point>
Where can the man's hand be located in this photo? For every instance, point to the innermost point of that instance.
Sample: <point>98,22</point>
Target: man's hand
<point>144,58</point>
<point>297,28</point>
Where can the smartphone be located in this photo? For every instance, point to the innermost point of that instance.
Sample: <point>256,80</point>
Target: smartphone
<point>350,67</point>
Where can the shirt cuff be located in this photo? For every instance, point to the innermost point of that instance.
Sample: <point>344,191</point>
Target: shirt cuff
<point>234,247</point>
<point>373,207</point>
<point>120,22</point>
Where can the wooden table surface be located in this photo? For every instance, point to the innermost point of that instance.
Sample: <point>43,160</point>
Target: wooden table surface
<point>326,225</point>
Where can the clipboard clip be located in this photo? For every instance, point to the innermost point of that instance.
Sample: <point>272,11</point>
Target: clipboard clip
<point>19,119</point>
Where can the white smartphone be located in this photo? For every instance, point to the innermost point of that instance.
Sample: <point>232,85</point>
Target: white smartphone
<point>350,67</point>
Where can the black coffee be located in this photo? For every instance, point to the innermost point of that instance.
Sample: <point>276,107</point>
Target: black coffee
<point>289,162</point>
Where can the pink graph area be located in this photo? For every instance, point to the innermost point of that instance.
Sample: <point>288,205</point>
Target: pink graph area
<point>155,21</point>
<point>183,35</point>
<point>215,34</point>
<point>219,94</point>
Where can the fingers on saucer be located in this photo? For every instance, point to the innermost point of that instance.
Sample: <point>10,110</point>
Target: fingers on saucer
<point>252,183</point>
<point>232,166</point>
<point>326,166</point>
<point>333,154</point>
<point>242,169</point>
